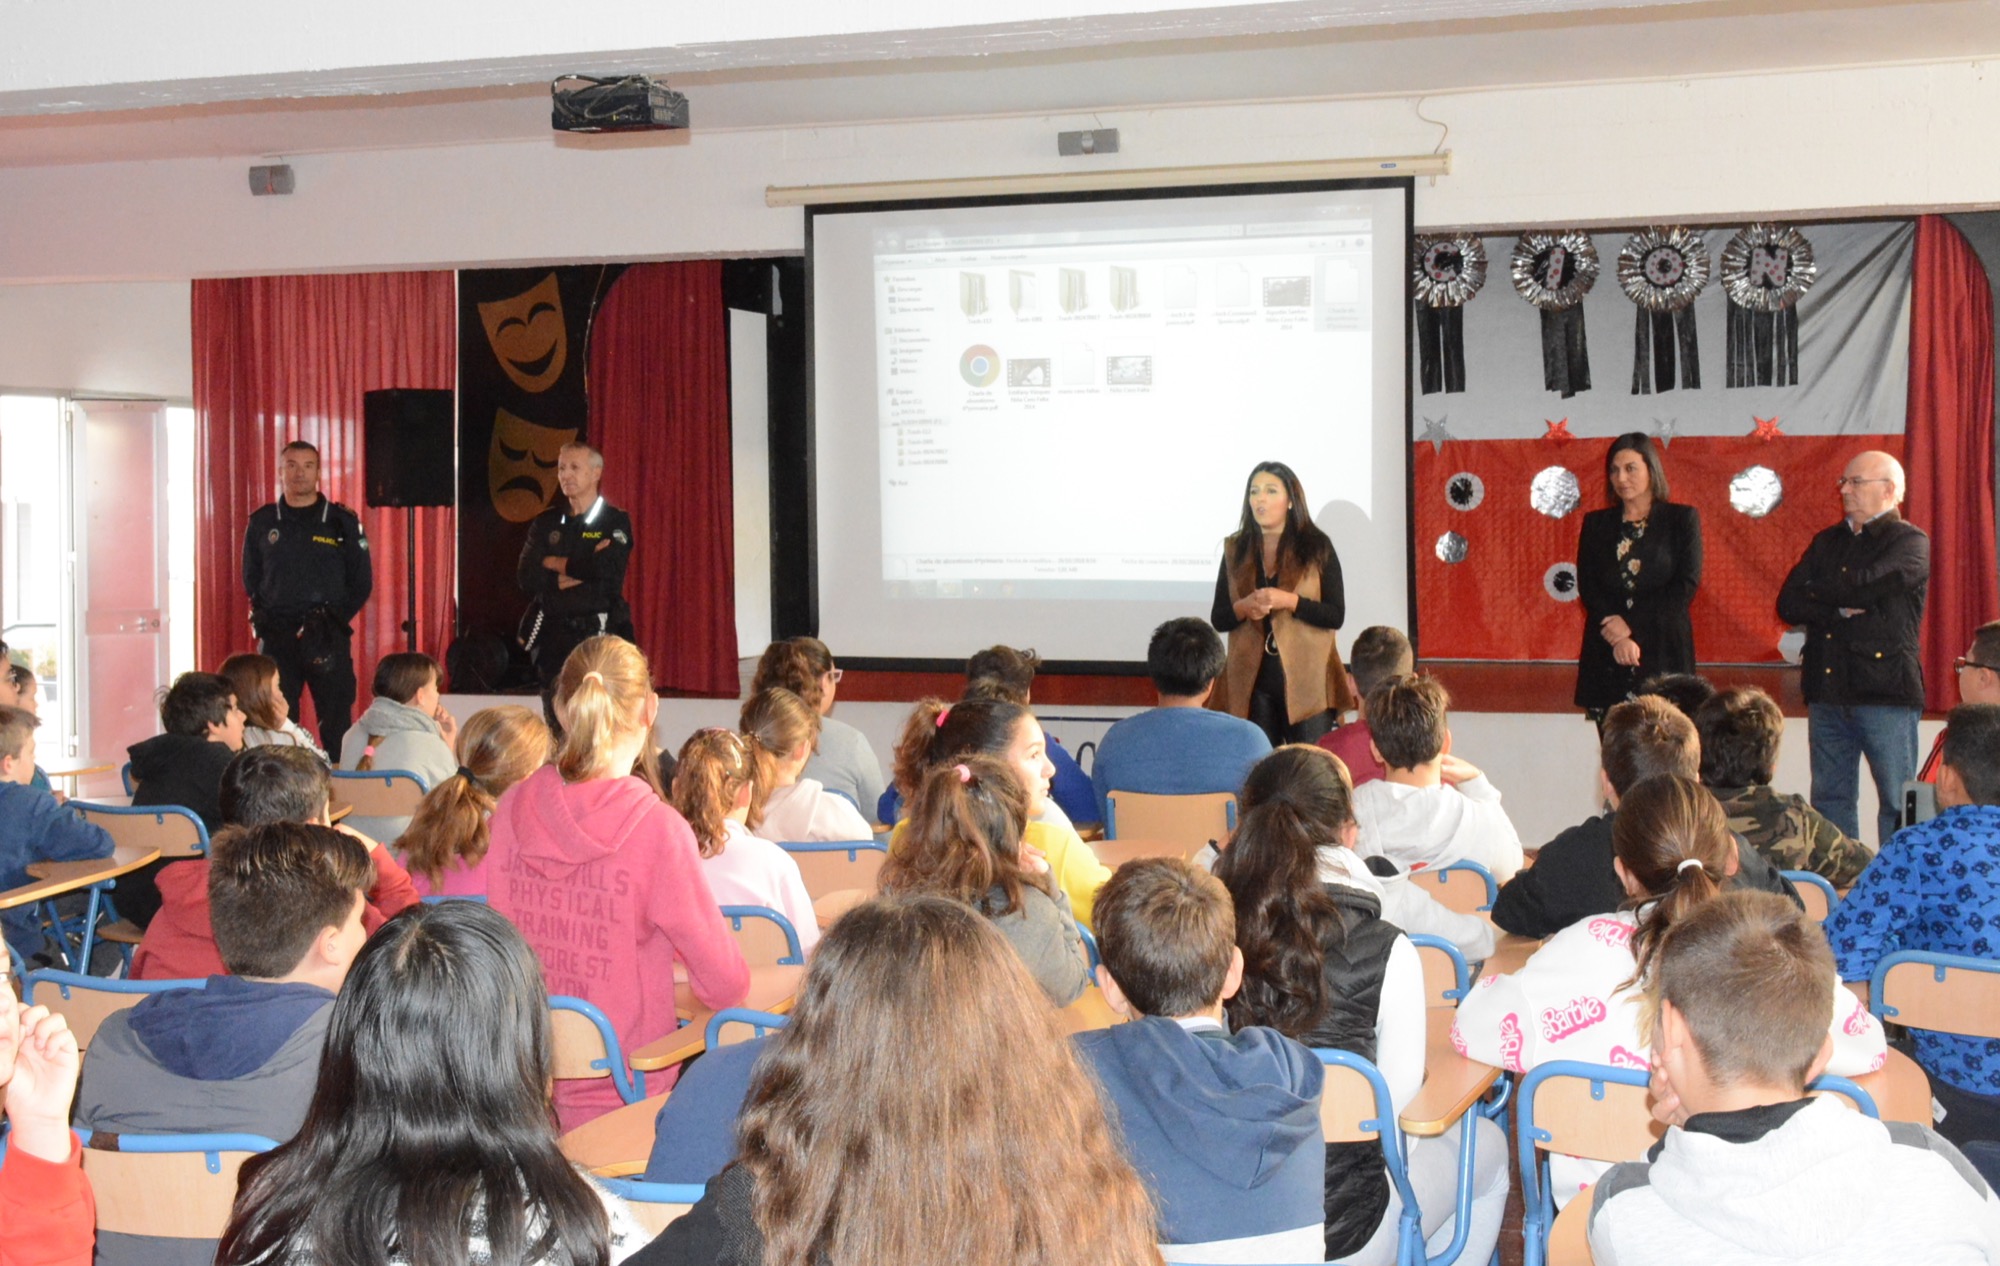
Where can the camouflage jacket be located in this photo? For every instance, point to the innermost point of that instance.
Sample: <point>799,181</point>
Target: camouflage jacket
<point>1792,834</point>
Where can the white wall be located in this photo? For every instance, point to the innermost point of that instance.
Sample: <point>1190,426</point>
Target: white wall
<point>750,479</point>
<point>98,339</point>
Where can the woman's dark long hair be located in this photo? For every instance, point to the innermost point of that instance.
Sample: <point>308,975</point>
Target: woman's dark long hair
<point>938,733</point>
<point>962,838</point>
<point>1302,547</point>
<point>1294,801</point>
<point>431,1111</point>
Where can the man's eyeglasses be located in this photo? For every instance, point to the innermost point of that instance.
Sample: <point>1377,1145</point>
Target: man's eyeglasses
<point>1845,480</point>
<point>1960,664</point>
<point>835,673</point>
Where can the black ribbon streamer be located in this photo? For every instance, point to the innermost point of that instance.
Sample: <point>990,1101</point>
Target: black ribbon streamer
<point>1440,348</point>
<point>1565,355</point>
<point>1763,347</point>
<point>1656,338</point>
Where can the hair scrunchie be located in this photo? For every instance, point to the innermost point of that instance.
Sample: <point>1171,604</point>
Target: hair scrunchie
<point>942,714</point>
<point>1687,862</point>
<point>468,775</point>
<point>964,774</point>
<point>593,674</point>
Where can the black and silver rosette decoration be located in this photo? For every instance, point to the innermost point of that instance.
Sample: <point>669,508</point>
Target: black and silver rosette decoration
<point>1765,269</point>
<point>1662,271</point>
<point>1446,271</point>
<point>1554,271</point>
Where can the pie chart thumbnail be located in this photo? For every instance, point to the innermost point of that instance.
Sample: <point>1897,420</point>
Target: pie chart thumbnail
<point>980,365</point>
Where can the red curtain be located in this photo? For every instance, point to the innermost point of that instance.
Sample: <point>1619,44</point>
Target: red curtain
<point>1950,445</point>
<point>659,410</point>
<point>283,358</point>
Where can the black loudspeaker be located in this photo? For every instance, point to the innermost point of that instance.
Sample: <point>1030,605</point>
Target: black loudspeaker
<point>408,442</point>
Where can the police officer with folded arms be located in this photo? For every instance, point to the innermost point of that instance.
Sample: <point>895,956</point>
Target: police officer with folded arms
<point>307,570</point>
<point>573,563</point>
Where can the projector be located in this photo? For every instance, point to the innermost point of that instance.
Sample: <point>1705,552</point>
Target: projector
<point>635,103</point>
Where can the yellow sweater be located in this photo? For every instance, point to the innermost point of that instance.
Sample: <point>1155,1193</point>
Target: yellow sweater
<point>1074,867</point>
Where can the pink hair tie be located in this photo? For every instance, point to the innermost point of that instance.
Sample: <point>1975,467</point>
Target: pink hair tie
<point>942,714</point>
<point>964,774</point>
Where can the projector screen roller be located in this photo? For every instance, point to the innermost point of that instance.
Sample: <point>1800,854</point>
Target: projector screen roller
<point>1033,421</point>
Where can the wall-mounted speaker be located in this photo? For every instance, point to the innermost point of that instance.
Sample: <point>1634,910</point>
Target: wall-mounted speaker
<point>409,438</point>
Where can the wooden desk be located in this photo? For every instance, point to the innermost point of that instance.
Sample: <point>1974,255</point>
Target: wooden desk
<point>55,878</point>
<point>1900,1089</point>
<point>1452,1083</point>
<point>1089,1012</point>
<point>71,771</point>
<point>1569,1238</point>
<point>617,1144</point>
<point>772,989</point>
<point>1509,953</point>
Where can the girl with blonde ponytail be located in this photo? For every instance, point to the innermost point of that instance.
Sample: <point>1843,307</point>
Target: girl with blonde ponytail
<point>797,809</point>
<point>445,847</point>
<point>1582,995</point>
<point>716,782</point>
<point>604,878</point>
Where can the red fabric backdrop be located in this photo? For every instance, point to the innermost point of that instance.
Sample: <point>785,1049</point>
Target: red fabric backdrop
<point>1494,606</point>
<point>659,410</point>
<point>1951,445</point>
<point>282,358</point>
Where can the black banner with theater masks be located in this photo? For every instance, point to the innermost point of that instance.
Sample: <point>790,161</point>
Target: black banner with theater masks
<point>523,348</point>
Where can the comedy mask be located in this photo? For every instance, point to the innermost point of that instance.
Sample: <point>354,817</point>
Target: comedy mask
<point>528,336</point>
<point>521,467</point>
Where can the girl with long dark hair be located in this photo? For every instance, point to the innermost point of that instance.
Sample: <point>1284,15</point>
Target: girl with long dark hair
<point>428,1139</point>
<point>1279,597</point>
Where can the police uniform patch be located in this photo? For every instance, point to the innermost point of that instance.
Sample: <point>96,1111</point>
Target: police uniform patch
<point>555,538</point>
<point>619,536</point>
<point>271,537</point>
<point>362,541</point>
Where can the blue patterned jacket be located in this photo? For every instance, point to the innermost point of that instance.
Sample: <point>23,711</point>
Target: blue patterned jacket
<point>1934,886</point>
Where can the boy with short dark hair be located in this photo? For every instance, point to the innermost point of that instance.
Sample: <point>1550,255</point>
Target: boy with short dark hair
<point>202,728</point>
<point>1223,1127</point>
<point>33,828</point>
<point>1740,729</point>
<point>1753,1169</point>
<point>1379,653</point>
<point>1430,808</point>
<point>1181,747</point>
<point>242,1054</point>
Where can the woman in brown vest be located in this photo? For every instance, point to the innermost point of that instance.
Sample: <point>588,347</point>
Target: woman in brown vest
<point>1279,597</point>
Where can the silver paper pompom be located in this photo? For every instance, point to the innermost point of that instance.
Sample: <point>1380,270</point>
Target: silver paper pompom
<point>1554,271</point>
<point>1767,267</point>
<point>1756,491</point>
<point>1465,491</point>
<point>1446,271</point>
<point>1451,548</point>
<point>1663,270</point>
<point>1559,582</point>
<point>1555,492</point>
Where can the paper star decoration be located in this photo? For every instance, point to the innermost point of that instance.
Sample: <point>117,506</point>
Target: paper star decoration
<point>1434,432</point>
<point>1558,432</point>
<point>1767,428</point>
<point>1663,431</point>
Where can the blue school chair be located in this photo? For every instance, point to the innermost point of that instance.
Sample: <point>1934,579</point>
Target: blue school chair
<point>1089,946</point>
<point>760,1022</point>
<point>200,1169</point>
<point>1465,887</point>
<point>437,897</point>
<point>1815,891</point>
<point>1943,993</point>
<point>758,941</point>
<point>1185,821</point>
<point>86,1002</point>
<point>125,776</point>
<point>655,1204</point>
<point>586,1047</point>
<point>1447,975</point>
<point>377,793</point>
<point>175,830</point>
<point>838,865</point>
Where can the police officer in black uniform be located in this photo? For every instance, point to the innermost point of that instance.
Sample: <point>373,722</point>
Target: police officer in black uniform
<point>307,570</point>
<point>573,562</point>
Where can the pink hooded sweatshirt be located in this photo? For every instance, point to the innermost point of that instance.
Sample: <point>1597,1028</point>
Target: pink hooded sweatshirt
<point>605,881</point>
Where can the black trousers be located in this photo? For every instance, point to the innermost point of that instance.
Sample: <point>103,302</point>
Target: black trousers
<point>331,680</point>
<point>1269,713</point>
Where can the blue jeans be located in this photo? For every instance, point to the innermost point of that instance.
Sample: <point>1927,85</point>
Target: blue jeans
<point>1841,734</point>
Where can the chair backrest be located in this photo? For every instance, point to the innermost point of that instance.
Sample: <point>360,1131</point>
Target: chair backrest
<point>587,1048</point>
<point>765,936</point>
<point>1189,821</point>
<point>1590,1110</point>
<point>1815,891</point>
<point>177,1186</point>
<point>125,776</point>
<point>1447,975</point>
<point>840,865</point>
<point>1466,887</point>
<point>1945,993</point>
<point>87,1001</point>
<point>755,1024</point>
<point>1355,1107</point>
<point>1089,945</point>
<point>438,898</point>
<point>377,793</point>
<point>174,830</point>
<point>655,1204</point>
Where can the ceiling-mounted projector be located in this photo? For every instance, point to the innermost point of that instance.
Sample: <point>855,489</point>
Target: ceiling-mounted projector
<point>634,103</point>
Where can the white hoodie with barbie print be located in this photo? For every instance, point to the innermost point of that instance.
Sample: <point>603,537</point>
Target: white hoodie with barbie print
<point>1568,1002</point>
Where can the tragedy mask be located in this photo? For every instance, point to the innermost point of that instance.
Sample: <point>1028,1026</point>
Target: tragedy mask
<point>528,336</point>
<point>521,466</point>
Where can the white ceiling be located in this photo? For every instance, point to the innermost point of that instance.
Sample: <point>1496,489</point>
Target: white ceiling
<point>1065,69</point>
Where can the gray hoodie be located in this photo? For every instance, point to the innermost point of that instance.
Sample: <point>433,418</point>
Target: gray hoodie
<point>405,738</point>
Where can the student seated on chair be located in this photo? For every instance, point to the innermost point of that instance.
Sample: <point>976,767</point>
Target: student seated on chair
<point>1181,747</point>
<point>1379,653</point>
<point>183,766</point>
<point>842,759</point>
<point>797,809</point>
<point>964,839</point>
<point>1752,1169</point>
<point>1324,964</point>
<point>1933,887</point>
<point>1579,996</point>
<point>1224,1127</point>
<point>446,842</point>
<point>241,1055</point>
<point>1429,809</point>
<point>33,828</point>
<point>267,714</point>
<point>259,786</point>
<point>45,1201</point>
<point>1573,876</point>
<point>716,779</point>
<point>1740,729</point>
<point>405,727</point>
<point>1008,673</point>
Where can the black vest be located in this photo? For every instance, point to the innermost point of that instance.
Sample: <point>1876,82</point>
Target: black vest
<point>1357,1184</point>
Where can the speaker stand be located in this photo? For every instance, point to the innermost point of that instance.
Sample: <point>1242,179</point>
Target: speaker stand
<point>410,576</point>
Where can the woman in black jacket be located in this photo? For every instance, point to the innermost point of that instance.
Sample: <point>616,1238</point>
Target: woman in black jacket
<point>1638,564</point>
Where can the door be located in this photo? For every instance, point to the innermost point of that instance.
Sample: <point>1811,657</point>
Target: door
<point>121,591</point>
